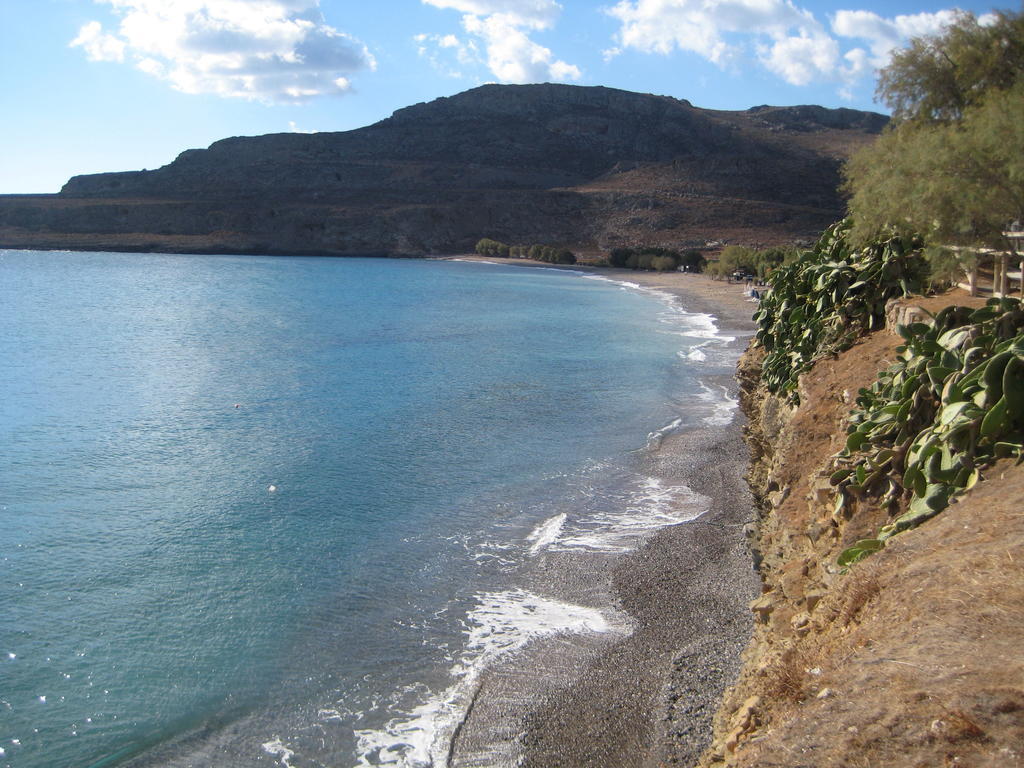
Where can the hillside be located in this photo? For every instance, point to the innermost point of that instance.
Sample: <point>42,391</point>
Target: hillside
<point>909,658</point>
<point>585,166</point>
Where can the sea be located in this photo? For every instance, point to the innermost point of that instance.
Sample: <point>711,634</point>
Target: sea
<point>281,510</point>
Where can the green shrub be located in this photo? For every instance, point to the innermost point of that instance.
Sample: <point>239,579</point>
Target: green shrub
<point>832,294</point>
<point>488,247</point>
<point>951,404</point>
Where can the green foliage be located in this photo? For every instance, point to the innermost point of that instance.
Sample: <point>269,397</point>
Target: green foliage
<point>957,183</point>
<point>547,253</point>
<point>822,302</point>
<point>770,259</point>
<point>951,404</point>
<point>946,267</point>
<point>716,270</point>
<point>488,247</point>
<point>859,551</point>
<point>938,77</point>
<point>619,256</point>
<point>951,167</point>
<point>737,257</point>
<point>651,258</point>
<point>693,260</point>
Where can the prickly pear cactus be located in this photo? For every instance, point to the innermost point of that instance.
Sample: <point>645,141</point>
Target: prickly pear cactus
<point>951,404</point>
<point>820,304</point>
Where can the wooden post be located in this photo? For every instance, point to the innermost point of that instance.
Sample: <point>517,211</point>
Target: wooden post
<point>972,279</point>
<point>1015,234</point>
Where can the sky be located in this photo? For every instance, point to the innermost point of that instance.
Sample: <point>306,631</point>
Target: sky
<point>88,86</point>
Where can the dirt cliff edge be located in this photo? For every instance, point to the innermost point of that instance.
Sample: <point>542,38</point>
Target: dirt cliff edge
<point>913,657</point>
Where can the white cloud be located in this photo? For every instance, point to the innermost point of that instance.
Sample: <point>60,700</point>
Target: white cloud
<point>702,26</point>
<point>536,14</point>
<point>883,35</point>
<point>787,39</point>
<point>447,53</point>
<point>271,50</point>
<point>98,46</point>
<point>801,59</point>
<point>502,28</point>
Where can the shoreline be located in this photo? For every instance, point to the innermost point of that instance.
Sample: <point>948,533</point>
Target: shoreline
<point>647,697</point>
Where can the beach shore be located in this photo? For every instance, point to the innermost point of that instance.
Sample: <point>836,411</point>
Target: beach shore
<point>645,698</point>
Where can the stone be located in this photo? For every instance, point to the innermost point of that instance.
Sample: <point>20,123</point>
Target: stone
<point>764,605</point>
<point>801,623</point>
<point>812,597</point>
<point>743,721</point>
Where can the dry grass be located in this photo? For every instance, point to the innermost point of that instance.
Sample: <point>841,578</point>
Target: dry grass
<point>864,585</point>
<point>962,727</point>
<point>786,679</point>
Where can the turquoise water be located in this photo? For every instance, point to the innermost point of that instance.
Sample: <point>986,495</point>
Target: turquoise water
<point>255,510</point>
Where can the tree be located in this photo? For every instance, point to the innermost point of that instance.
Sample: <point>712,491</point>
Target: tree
<point>951,167</point>
<point>619,256</point>
<point>737,257</point>
<point>663,263</point>
<point>487,247</point>
<point>693,260</point>
<point>958,183</point>
<point>937,77</point>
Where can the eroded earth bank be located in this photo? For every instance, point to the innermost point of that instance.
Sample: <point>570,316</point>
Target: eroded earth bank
<point>913,657</point>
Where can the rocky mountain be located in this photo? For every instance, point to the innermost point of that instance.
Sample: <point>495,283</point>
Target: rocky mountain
<point>559,164</point>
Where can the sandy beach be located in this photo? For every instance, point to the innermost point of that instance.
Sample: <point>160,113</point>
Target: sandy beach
<point>645,698</point>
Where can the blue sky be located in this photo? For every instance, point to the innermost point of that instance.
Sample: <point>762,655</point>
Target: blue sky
<point>105,85</point>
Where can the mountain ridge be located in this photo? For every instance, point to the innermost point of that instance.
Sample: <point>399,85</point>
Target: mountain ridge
<point>586,166</point>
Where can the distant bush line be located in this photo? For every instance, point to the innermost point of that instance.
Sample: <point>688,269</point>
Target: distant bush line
<point>734,260</point>
<point>748,261</point>
<point>547,253</point>
<point>657,259</point>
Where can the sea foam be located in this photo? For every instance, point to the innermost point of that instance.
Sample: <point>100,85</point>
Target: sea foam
<point>644,507</point>
<point>722,404</point>
<point>501,624</point>
<point>546,532</point>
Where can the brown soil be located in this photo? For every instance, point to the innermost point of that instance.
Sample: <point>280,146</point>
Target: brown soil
<point>911,659</point>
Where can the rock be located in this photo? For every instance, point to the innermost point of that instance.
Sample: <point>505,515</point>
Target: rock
<point>764,605</point>
<point>743,722</point>
<point>801,623</point>
<point>897,313</point>
<point>812,597</point>
<point>793,578</point>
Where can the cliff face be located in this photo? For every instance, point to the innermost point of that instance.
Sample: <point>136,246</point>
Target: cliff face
<point>537,163</point>
<point>912,657</point>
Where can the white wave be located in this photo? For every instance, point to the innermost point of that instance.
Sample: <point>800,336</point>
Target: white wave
<point>277,748</point>
<point>501,624</point>
<point>545,533</point>
<point>696,353</point>
<point>723,405</point>
<point>654,439</point>
<point>701,325</point>
<point>642,509</point>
